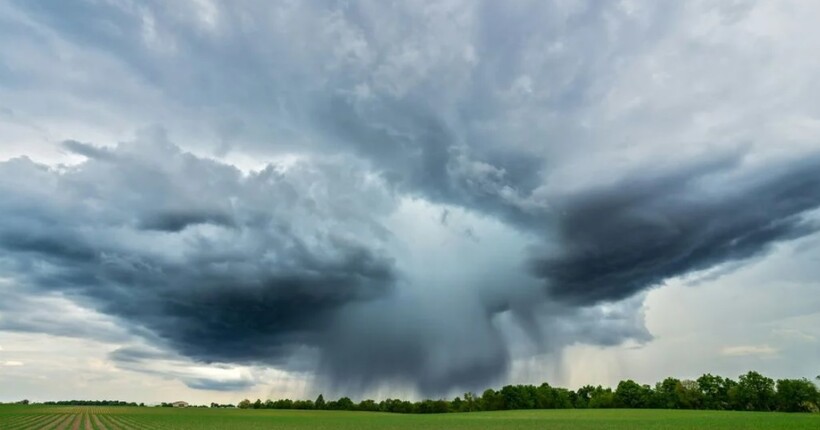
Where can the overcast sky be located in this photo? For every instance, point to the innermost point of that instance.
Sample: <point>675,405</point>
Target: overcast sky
<point>207,201</point>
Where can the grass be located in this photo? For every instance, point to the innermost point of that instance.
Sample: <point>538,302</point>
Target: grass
<point>14,417</point>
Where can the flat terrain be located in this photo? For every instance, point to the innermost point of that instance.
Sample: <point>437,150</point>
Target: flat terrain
<point>125,418</point>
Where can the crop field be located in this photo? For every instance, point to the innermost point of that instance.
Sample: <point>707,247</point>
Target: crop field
<point>128,418</point>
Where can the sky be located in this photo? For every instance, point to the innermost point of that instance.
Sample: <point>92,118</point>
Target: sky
<point>208,201</point>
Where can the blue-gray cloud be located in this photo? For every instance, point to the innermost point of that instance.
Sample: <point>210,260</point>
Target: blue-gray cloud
<point>298,268</point>
<point>133,235</point>
<point>621,238</point>
<point>165,364</point>
<point>626,144</point>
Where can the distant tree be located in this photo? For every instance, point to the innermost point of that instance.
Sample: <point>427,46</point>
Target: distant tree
<point>441,406</point>
<point>564,398</point>
<point>715,391</point>
<point>583,396</point>
<point>602,398</point>
<point>518,397</point>
<point>320,402</point>
<point>368,405</point>
<point>755,392</point>
<point>303,404</point>
<point>390,405</point>
<point>689,395</point>
<point>667,394</point>
<point>630,394</point>
<point>457,405</point>
<point>491,400</point>
<point>432,406</point>
<point>796,395</point>
<point>545,397</point>
<point>470,404</point>
<point>344,404</point>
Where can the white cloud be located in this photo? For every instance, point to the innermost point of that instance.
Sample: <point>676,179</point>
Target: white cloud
<point>746,350</point>
<point>83,364</point>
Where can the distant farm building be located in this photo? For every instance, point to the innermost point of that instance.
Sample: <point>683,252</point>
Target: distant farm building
<point>180,404</point>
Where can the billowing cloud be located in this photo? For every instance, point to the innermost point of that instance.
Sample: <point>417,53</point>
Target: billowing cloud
<point>225,266</point>
<point>621,238</point>
<point>390,194</point>
<point>301,265</point>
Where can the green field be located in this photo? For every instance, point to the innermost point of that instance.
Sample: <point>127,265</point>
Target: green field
<point>125,418</point>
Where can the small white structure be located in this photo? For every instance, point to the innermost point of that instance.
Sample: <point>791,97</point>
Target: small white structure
<point>180,404</point>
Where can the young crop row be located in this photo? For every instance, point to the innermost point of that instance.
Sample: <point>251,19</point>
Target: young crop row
<point>38,421</point>
<point>69,421</point>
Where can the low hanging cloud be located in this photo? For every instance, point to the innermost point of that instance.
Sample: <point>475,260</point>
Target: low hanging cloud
<point>165,364</point>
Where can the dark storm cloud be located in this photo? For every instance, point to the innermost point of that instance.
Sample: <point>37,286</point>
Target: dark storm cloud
<point>247,290</point>
<point>300,265</point>
<point>624,237</point>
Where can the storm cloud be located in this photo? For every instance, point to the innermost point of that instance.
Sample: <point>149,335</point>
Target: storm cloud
<point>389,195</point>
<point>228,277</point>
<point>267,266</point>
<point>299,267</point>
<point>626,236</point>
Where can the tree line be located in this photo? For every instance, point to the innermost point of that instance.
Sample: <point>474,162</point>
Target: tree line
<point>750,392</point>
<point>112,403</point>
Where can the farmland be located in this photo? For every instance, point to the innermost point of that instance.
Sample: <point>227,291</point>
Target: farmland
<point>14,417</point>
